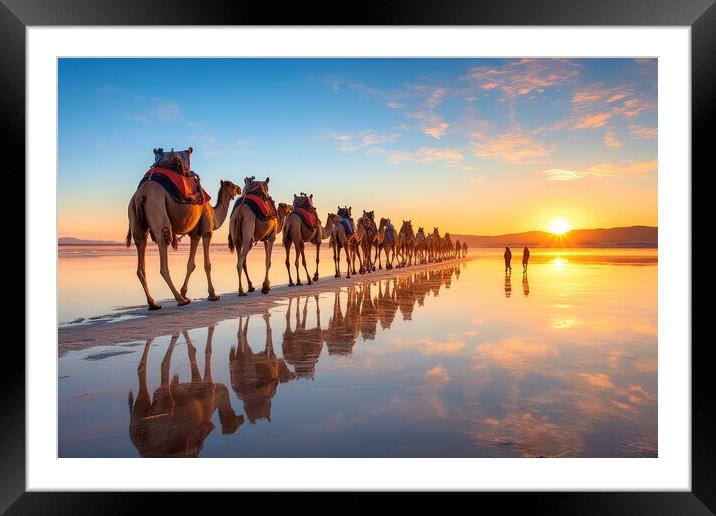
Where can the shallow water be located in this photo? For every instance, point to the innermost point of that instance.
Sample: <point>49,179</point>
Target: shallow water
<point>459,361</point>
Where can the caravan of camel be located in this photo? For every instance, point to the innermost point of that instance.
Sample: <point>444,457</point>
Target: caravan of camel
<point>155,212</point>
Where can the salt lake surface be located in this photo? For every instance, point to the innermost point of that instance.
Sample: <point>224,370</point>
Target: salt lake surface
<point>456,361</point>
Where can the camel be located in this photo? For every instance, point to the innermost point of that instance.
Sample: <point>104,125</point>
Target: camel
<point>385,242</point>
<point>245,228</point>
<point>447,247</point>
<point>368,314</point>
<point>421,245</point>
<point>340,239</point>
<point>211,219</point>
<point>434,245</point>
<point>154,211</point>
<point>342,331</point>
<point>464,249</point>
<point>296,232</point>
<point>386,303</point>
<point>301,347</point>
<point>176,421</point>
<point>406,241</point>
<point>255,376</point>
<point>458,247</point>
<point>368,233</point>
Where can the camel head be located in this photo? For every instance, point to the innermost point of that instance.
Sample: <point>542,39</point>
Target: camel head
<point>369,214</point>
<point>283,209</point>
<point>344,212</point>
<point>384,222</point>
<point>421,230</point>
<point>230,188</point>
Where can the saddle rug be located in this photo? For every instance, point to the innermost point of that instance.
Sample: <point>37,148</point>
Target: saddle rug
<point>308,216</point>
<point>264,209</point>
<point>183,189</point>
<point>390,234</point>
<point>347,225</point>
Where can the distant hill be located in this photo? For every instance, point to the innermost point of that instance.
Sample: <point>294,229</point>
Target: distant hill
<point>79,241</point>
<point>633,236</point>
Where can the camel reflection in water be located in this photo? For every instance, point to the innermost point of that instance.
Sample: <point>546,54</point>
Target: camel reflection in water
<point>176,421</point>
<point>255,376</point>
<point>302,347</point>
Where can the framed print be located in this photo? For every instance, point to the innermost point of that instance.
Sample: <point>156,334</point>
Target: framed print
<point>430,249</point>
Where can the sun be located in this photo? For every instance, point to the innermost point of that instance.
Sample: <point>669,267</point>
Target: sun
<point>559,226</point>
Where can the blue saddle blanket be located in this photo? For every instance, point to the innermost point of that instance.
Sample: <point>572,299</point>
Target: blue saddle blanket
<point>347,226</point>
<point>390,235</point>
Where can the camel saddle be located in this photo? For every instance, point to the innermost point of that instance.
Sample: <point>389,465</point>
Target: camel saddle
<point>178,161</point>
<point>264,209</point>
<point>390,234</point>
<point>347,225</point>
<point>308,215</point>
<point>184,189</point>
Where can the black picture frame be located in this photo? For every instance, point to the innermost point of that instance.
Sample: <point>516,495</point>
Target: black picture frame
<point>700,15</point>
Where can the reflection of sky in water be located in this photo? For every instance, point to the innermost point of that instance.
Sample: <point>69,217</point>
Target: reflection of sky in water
<point>570,369</point>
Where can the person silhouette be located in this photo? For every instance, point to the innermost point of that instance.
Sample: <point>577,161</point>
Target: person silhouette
<point>525,284</point>
<point>508,284</point>
<point>508,259</point>
<point>525,258</point>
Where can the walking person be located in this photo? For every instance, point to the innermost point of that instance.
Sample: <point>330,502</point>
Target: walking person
<point>525,258</point>
<point>508,259</point>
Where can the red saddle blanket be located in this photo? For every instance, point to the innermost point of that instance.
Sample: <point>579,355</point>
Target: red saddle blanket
<point>185,189</point>
<point>308,215</point>
<point>262,208</point>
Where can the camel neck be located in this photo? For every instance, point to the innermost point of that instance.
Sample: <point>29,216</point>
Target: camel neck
<point>221,208</point>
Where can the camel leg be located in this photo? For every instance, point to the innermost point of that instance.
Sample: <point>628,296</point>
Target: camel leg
<point>348,261</point>
<point>241,262</point>
<point>336,260</point>
<point>206,244</point>
<point>246,230</point>
<point>297,247</point>
<point>268,247</point>
<point>143,399</point>
<point>303,261</point>
<point>141,242</point>
<point>207,355</point>
<point>318,254</point>
<point>166,361</point>
<point>287,246</point>
<point>191,352</point>
<point>164,269</point>
<point>248,280</point>
<point>190,265</point>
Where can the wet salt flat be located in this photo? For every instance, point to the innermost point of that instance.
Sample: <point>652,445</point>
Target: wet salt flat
<point>455,361</point>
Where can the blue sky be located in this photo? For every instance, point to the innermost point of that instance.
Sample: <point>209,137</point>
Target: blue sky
<point>475,145</point>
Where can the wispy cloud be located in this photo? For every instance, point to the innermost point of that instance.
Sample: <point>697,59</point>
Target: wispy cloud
<point>395,105</point>
<point>242,141</point>
<point>515,147</point>
<point>524,76</point>
<point>427,155</point>
<point>640,131</point>
<point>351,141</point>
<point>167,111</point>
<point>592,121</point>
<point>595,105</point>
<point>611,140</point>
<point>641,168</point>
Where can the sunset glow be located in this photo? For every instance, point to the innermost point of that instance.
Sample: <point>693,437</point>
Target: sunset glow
<point>559,226</point>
